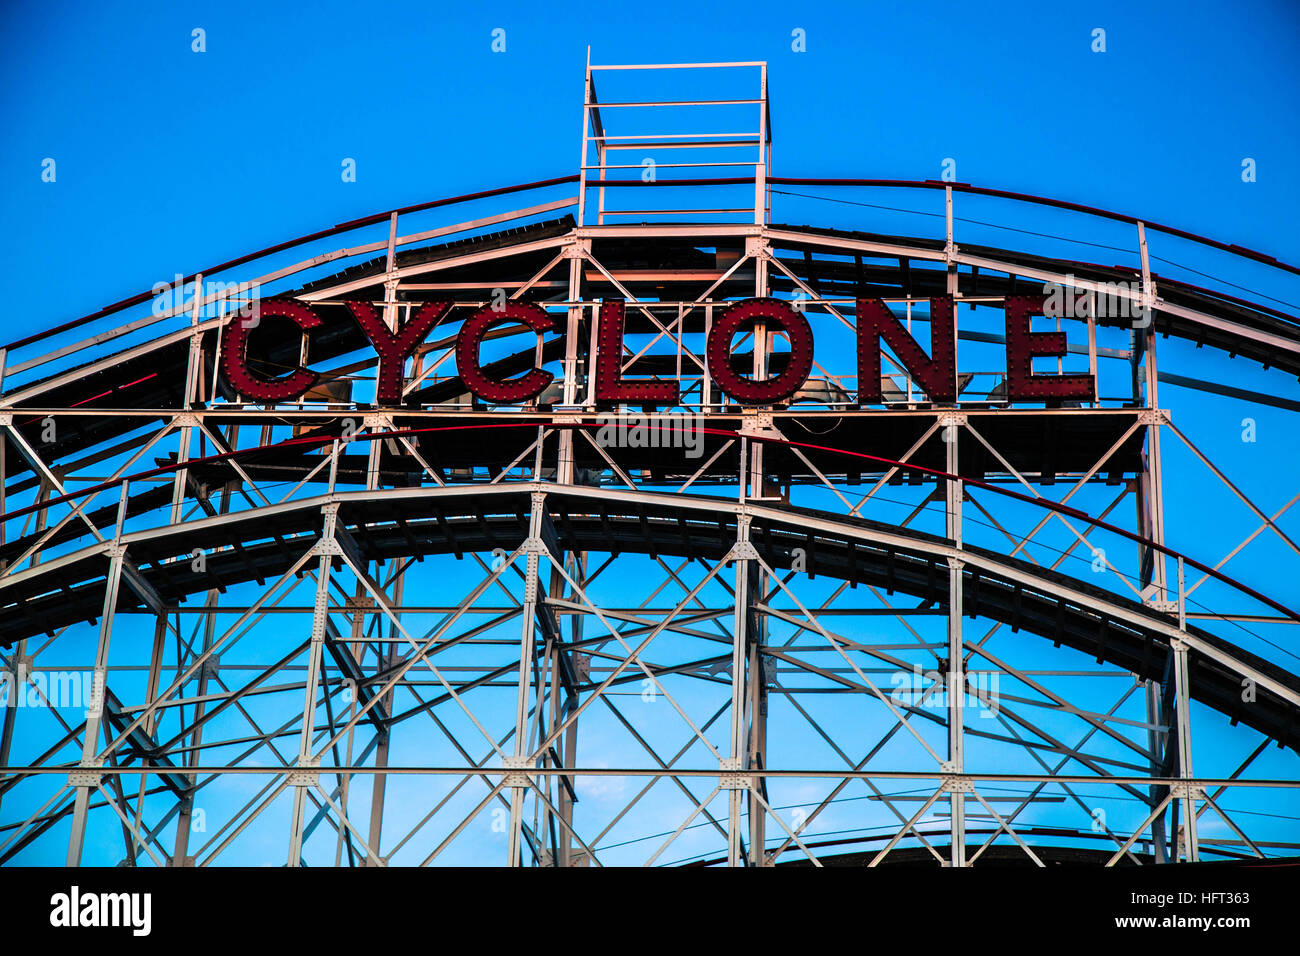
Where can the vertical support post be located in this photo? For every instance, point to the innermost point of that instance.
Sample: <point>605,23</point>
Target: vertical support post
<point>756,758</point>
<point>326,548</point>
<point>192,373</point>
<point>1184,730</point>
<point>548,720</point>
<point>582,163</point>
<point>738,696</point>
<point>375,451</point>
<point>1156,747</point>
<point>1151,507</point>
<point>1092,345</point>
<point>194,367</point>
<point>4,472</point>
<point>572,324</point>
<point>178,483</point>
<point>565,474</point>
<point>568,746</point>
<point>949,247</point>
<point>1144,344</point>
<point>907,373</point>
<point>1182,684</point>
<point>18,686</point>
<point>706,388</point>
<point>44,492</point>
<point>956,650</point>
<point>760,170</point>
<point>85,780</point>
<point>379,785</point>
<point>564,468</point>
<point>953,286</point>
<point>151,695</point>
<point>180,853</point>
<point>1153,403</point>
<point>359,603</point>
<point>1155,469</point>
<point>751,581</point>
<point>762,344</point>
<point>527,648</point>
<point>390,280</point>
<point>600,193</point>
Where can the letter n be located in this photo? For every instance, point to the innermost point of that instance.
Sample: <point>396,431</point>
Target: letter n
<point>936,373</point>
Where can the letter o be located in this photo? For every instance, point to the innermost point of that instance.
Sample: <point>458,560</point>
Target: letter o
<point>771,390</point>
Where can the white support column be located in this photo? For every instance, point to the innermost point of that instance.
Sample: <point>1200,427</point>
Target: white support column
<point>564,471</point>
<point>195,365</point>
<point>1156,746</point>
<point>86,778</point>
<point>736,752</point>
<point>1184,732</point>
<point>1155,478</point>
<point>18,686</point>
<point>306,775</point>
<point>517,782</point>
<point>1182,701</point>
<point>582,163</point>
<point>956,648</point>
<point>374,424</point>
<point>390,277</point>
<point>4,470</point>
<point>758,248</point>
<point>764,153</point>
<point>950,247</point>
<point>756,758</point>
<point>188,422</point>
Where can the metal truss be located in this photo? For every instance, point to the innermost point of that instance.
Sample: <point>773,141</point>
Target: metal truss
<point>322,632</point>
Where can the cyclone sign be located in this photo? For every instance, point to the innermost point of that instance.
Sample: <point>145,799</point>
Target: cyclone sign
<point>936,371</point>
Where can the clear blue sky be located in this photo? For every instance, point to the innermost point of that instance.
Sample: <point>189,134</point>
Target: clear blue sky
<point>170,160</point>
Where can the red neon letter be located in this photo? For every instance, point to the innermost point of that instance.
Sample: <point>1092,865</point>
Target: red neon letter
<point>610,384</point>
<point>393,349</point>
<point>936,374</point>
<point>508,391</point>
<point>1023,346</point>
<point>771,390</point>
<point>234,355</point>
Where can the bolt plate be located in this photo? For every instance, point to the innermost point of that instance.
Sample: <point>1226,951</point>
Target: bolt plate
<point>955,784</point>
<point>88,776</point>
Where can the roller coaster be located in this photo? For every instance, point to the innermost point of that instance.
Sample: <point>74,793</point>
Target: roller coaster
<point>345,571</point>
